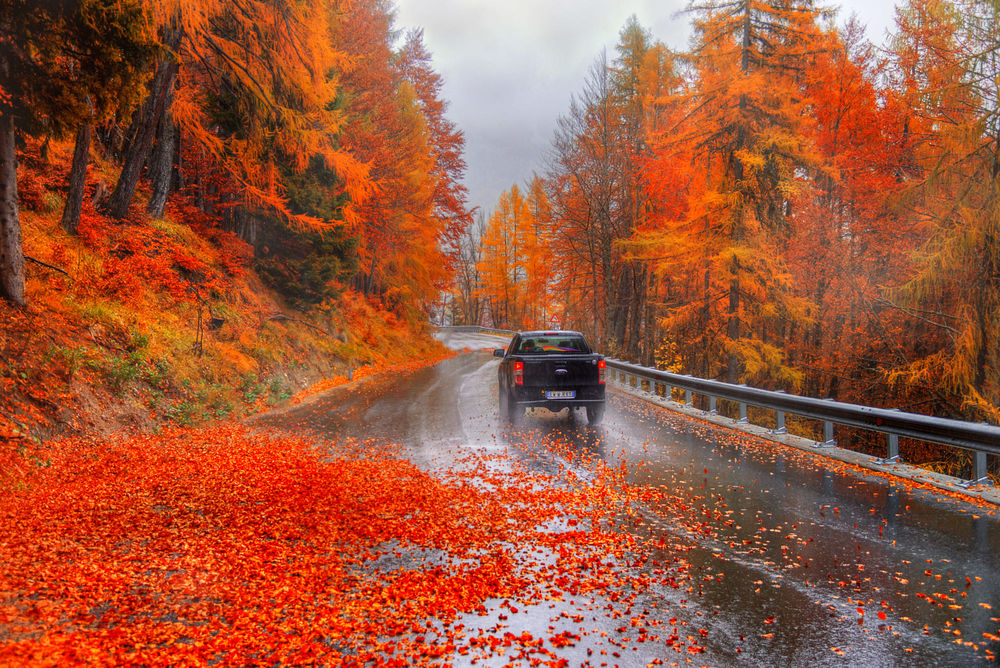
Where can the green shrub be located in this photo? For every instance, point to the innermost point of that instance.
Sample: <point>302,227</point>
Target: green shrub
<point>185,413</point>
<point>120,370</point>
<point>157,374</point>
<point>277,391</point>
<point>69,359</point>
<point>251,387</point>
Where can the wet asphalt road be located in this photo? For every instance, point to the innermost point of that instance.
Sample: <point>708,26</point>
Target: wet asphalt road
<point>799,561</point>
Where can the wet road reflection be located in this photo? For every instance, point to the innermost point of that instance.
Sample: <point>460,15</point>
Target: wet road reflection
<point>788,559</point>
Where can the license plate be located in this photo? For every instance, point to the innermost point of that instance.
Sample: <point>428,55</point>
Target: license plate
<point>560,394</point>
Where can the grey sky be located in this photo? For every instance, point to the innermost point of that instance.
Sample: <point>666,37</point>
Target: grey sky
<point>510,68</point>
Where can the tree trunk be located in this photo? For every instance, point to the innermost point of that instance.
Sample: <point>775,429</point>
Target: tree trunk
<point>179,159</point>
<point>77,179</point>
<point>733,330</point>
<point>161,167</point>
<point>637,309</point>
<point>11,253</point>
<point>137,152</point>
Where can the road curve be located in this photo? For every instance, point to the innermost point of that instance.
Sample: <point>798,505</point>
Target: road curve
<point>795,560</point>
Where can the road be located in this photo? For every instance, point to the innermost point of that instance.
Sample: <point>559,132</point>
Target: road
<point>794,560</point>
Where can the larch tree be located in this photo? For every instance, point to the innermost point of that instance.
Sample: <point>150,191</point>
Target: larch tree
<point>515,268</point>
<point>947,63</point>
<point>117,35</point>
<point>745,130</point>
<point>586,185</point>
<point>850,241</point>
<point>446,143</point>
<point>60,63</point>
<point>501,266</point>
<point>599,197</point>
<point>467,303</point>
<point>539,302</point>
<point>400,252</point>
<point>253,86</point>
<point>628,72</point>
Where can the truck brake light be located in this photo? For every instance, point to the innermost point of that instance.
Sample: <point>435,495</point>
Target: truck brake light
<point>519,373</point>
<point>601,370</point>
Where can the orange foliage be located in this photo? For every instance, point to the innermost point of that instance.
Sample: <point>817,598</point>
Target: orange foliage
<point>395,124</point>
<point>139,260</point>
<point>276,60</point>
<point>516,261</point>
<point>247,546</point>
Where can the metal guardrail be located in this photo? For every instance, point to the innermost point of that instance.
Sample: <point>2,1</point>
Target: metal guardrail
<point>479,329</point>
<point>980,438</point>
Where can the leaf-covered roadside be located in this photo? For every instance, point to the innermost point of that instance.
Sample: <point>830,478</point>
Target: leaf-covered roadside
<point>244,546</point>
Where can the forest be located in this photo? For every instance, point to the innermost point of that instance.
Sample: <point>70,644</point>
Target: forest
<point>201,198</point>
<point>784,204</point>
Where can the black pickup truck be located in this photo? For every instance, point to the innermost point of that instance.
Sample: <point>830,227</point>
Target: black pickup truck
<point>551,369</point>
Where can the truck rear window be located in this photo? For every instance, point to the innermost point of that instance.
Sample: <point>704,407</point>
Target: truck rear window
<point>541,345</point>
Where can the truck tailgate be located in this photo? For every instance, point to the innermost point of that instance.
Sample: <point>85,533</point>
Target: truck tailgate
<point>554,371</point>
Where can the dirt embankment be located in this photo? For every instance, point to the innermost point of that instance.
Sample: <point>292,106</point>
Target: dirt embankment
<point>133,324</point>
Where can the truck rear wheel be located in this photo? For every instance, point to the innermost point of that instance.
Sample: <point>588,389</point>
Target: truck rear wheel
<point>514,411</point>
<point>595,413</point>
<point>509,410</point>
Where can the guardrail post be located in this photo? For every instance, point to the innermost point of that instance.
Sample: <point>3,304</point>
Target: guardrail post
<point>688,395</point>
<point>712,408</point>
<point>779,421</point>
<point>892,448</point>
<point>980,476</point>
<point>828,440</point>
<point>743,411</point>
<point>892,456</point>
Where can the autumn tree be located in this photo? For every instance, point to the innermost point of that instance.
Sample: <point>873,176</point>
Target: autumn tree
<point>599,198</point>
<point>253,88</point>
<point>587,184</point>
<point>409,225</point>
<point>946,65</point>
<point>539,299</point>
<point>629,81</point>
<point>387,130</point>
<point>515,267</point>
<point>849,240</point>
<point>501,265</point>
<point>450,197</point>
<point>745,128</point>
<point>60,64</point>
<point>466,302</point>
<point>115,34</point>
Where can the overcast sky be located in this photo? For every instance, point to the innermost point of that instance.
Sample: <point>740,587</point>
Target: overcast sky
<point>510,68</point>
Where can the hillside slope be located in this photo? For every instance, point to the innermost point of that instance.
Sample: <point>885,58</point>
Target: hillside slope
<point>133,324</point>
